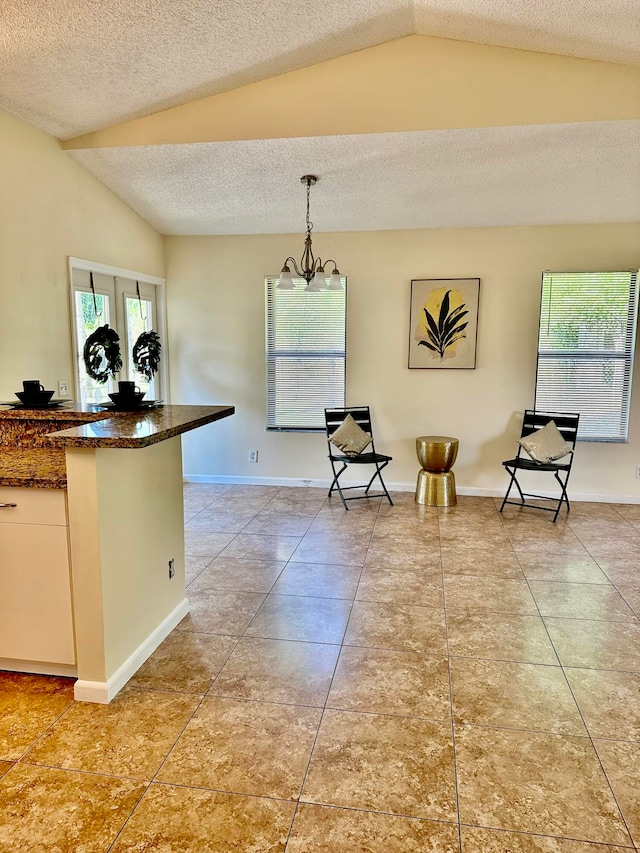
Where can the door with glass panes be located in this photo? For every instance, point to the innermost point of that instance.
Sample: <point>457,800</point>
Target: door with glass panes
<point>127,306</point>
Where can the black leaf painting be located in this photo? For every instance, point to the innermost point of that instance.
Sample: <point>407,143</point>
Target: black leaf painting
<point>447,329</point>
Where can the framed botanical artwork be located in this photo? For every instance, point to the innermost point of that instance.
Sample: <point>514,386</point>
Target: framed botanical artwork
<point>444,322</point>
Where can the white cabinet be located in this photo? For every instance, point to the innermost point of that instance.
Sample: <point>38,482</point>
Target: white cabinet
<point>36,618</point>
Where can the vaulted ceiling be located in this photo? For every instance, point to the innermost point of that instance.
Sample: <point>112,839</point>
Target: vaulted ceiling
<point>78,67</point>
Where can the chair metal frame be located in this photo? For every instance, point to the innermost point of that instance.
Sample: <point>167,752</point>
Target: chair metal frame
<point>567,424</point>
<point>362,416</point>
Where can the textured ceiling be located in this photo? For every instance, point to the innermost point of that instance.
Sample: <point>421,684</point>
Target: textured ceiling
<point>544,174</point>
<point>71,66</point>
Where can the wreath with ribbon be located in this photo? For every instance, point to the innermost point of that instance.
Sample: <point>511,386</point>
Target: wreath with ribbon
<point>101,354</point>
<point>146,353</point>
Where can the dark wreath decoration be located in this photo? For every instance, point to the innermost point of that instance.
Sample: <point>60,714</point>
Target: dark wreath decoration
<point>146,353</point>
<point>101,353</point>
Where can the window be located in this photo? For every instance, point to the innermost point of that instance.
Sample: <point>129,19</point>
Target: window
<point>585,349</point>
<point>116,303</point>
<point>306,349</point>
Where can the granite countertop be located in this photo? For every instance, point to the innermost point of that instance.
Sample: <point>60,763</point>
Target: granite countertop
<point>140,428</point>
<point>44,466</point>
<point>33,467</point>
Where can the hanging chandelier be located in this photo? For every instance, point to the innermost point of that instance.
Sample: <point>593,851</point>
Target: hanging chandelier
<point>311,269</point>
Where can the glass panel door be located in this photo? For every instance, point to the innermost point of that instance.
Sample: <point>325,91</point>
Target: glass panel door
<point>90,314</point>
<point>139,319</point>
<point>140,315</point>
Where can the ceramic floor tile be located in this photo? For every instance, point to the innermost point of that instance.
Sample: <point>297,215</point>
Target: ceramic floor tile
<point>238,490</point>
<point>319,829</point>
<point>45,810</point>
<point>499,636</point>
<point>491,841</point>
<point>193,566</point>
<point>580,601</point>
<point>344,550</point>
<point>595,529</point>
<point>185,662</point>
<point>535,782</point>
<point>242,747</point>
<point>390,626</point>
<point>630,512</point>
<point>626,548</point>
<point>483,563</point>
<point>621,762</point>
<point>391,682</point>
<point>218,522</point>
<point>592,509</point>
<point>242,504</point>
<point>489,595</point>
<point>200,543</point>
<point>29,704</point>
<point>569,568</point>
<point>393,764</point>
<point>280,524</point>
<point>278,671</point>
<point>623,571</point>
<point>213,611</point>
<point>608,701</point>
<point>631,595</point>
<point>209,822</point>
<point>194,505</point>
<point>239,575</point>
<point>289,503</point>
<point>404,556</point>
<point>319,580</point>
<point>561,541</point>
<point>398,586</point>
<point>424,527</point>
<point>247,546</point>
<point>513,695</point>
<point>598,645</point>
<point>473,537</point>
<point>346,524</point>
<point>130,736</point>
<point>291,617</point>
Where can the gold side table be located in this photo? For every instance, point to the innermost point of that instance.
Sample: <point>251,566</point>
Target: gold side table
<point>436,484</point>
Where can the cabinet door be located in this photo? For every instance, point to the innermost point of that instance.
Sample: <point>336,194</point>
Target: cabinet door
<point>35,594</point>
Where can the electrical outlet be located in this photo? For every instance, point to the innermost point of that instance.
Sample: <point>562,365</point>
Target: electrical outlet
<point>253,456</point>
<point>172,568</point>
<point>637,472</point>
<point>63,387</point>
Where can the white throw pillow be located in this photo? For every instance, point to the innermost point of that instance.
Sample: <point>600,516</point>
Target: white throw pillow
<point>546,444</point>
<point>350,438</point>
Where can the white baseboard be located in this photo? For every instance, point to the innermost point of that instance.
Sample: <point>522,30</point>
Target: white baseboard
<point>103,691</point>
<point>38,668</point>
<point>393,487</point>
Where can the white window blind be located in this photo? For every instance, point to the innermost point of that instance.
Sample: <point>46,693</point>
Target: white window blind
<point>306,350</point>
<point>586,348</point>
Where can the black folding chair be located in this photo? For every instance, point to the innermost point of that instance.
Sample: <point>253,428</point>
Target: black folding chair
<point>567,424</point>
<point>362,416</point>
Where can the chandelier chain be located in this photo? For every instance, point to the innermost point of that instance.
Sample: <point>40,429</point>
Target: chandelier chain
<point>309,222</point>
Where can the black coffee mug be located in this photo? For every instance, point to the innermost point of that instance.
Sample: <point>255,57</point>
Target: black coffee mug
<point>128,389</point>
<point>32,387</point>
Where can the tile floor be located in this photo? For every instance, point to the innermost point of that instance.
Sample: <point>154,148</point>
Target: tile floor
<point>392,680</point>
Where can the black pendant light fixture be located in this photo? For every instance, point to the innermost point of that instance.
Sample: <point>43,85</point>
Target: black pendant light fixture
<point>311,269</point>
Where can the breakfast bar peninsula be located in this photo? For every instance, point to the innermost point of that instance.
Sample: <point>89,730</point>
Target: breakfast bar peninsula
<point>91,539</point>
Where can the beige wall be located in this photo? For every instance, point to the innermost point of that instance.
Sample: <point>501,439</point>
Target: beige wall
<point>50,208</point>
<point>412,83</point>
<point>216,311</point>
